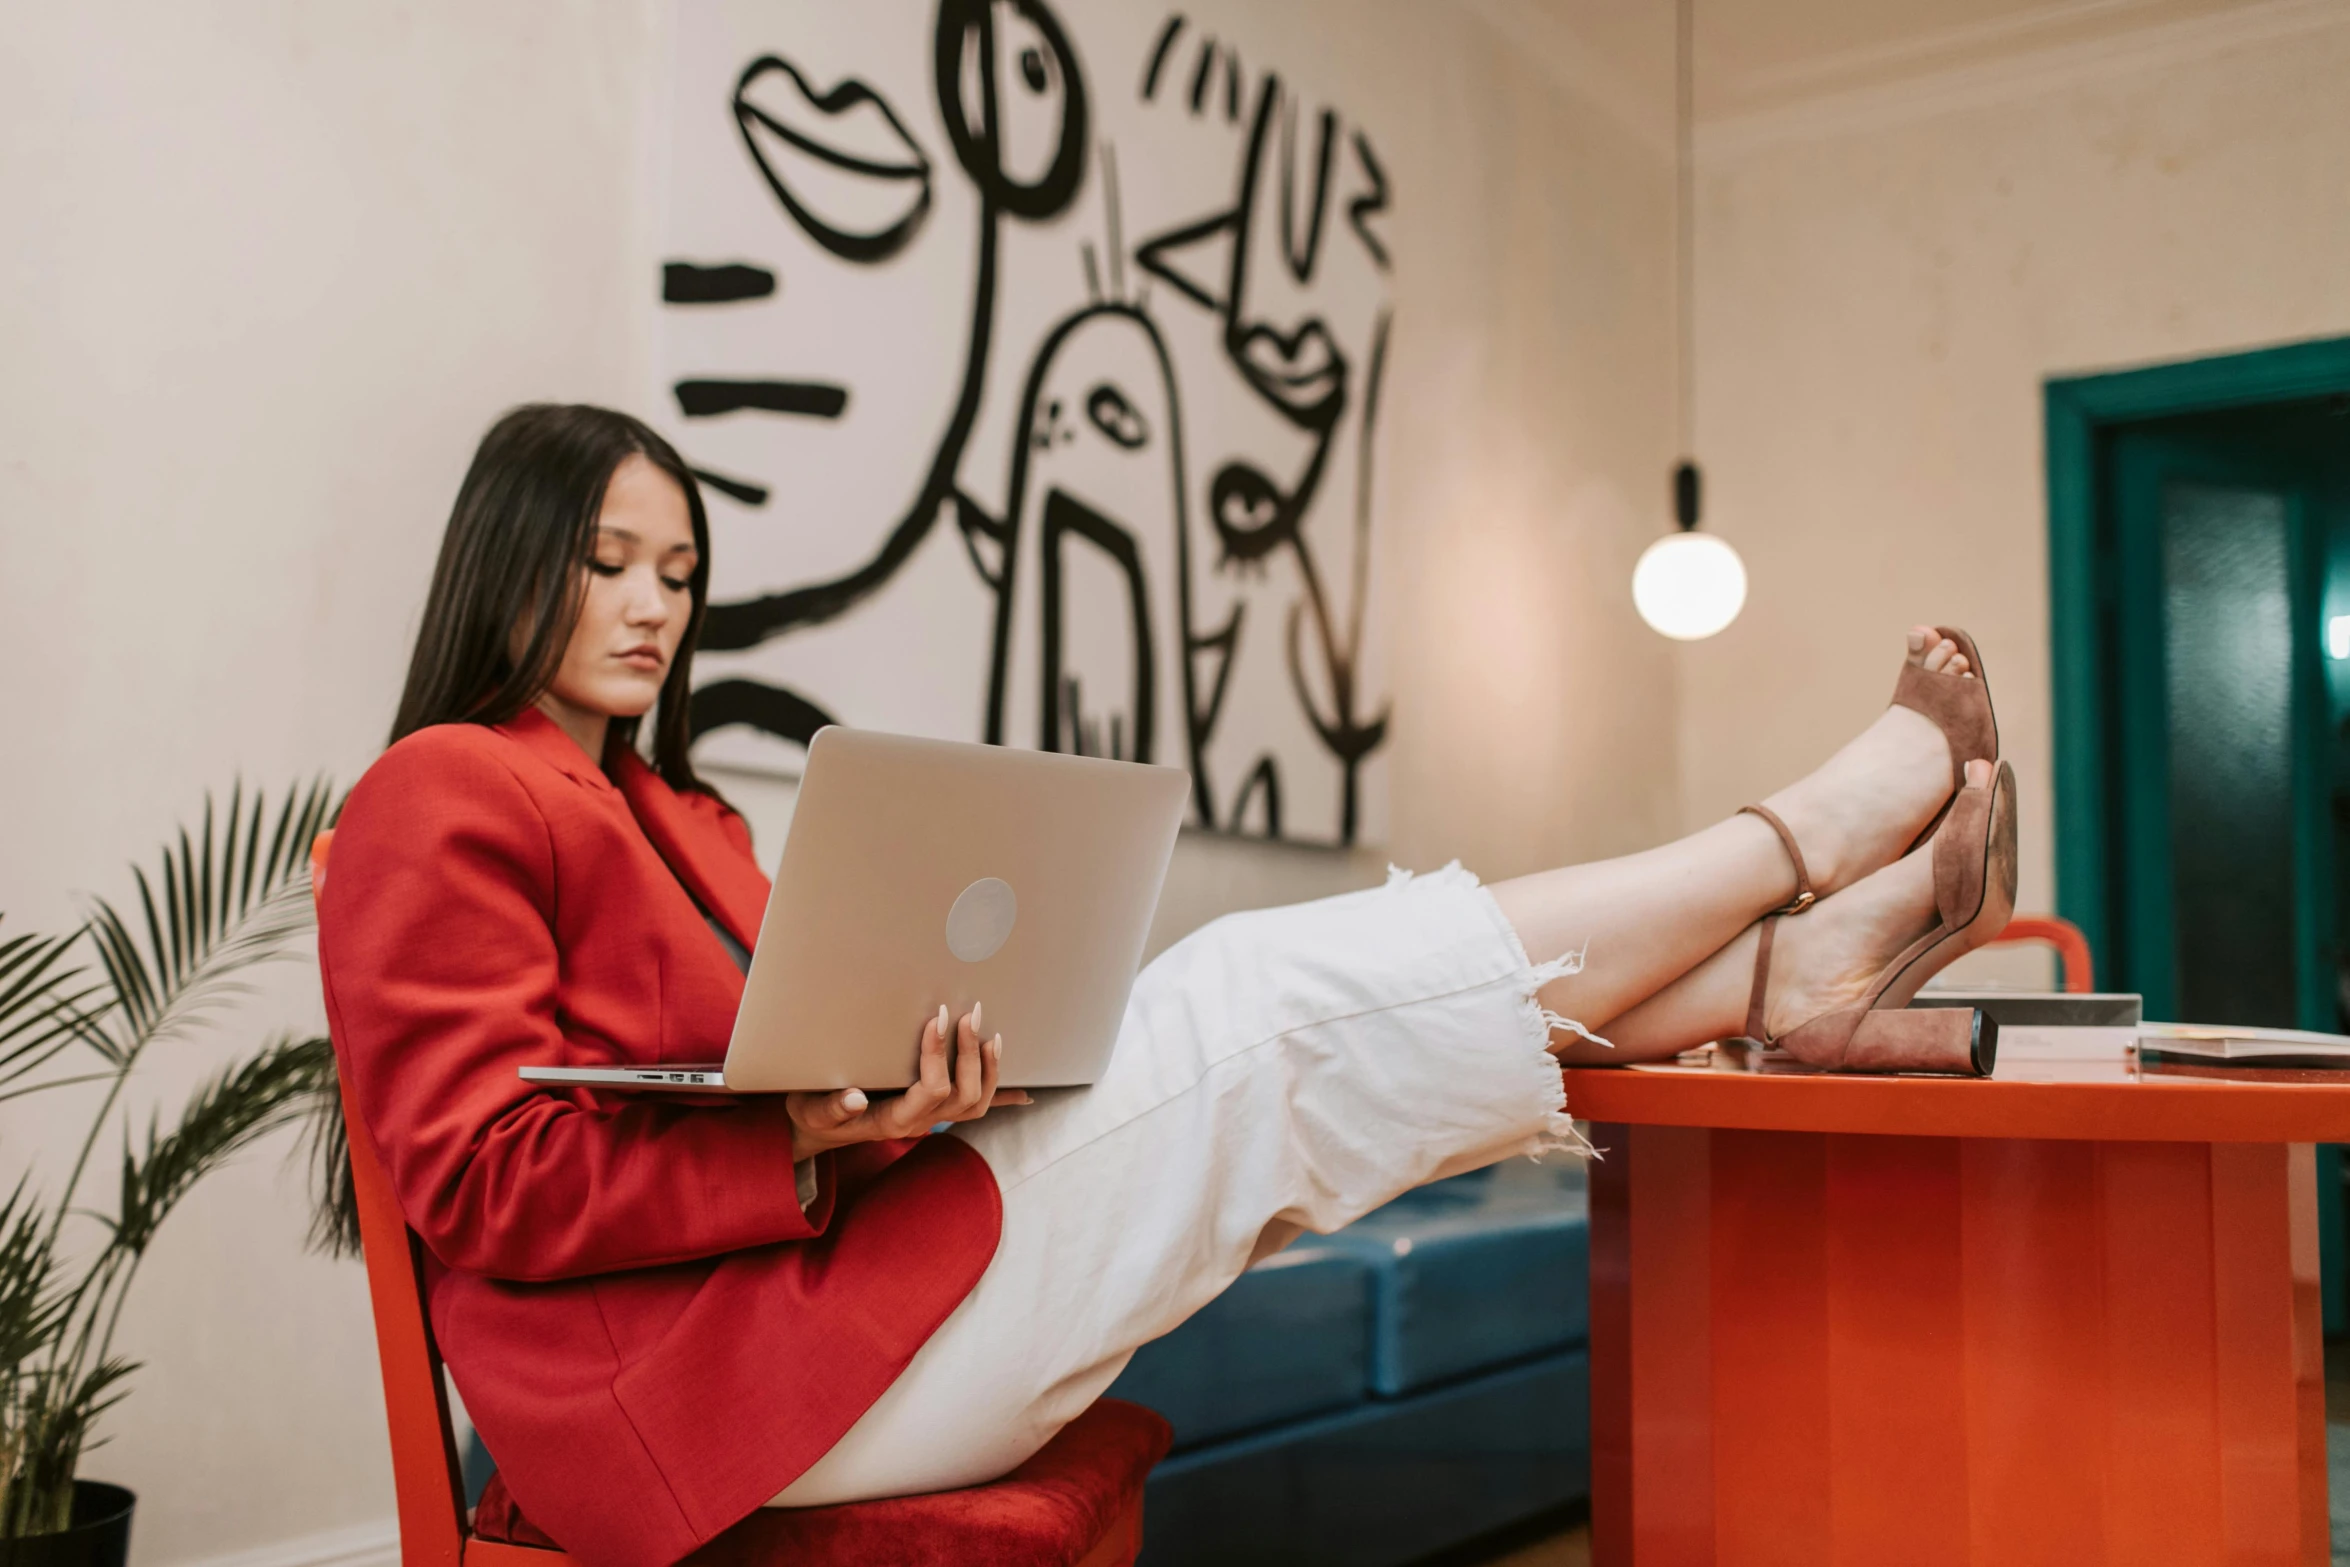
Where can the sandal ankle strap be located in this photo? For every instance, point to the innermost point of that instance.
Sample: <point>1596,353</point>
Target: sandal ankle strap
<point>1756,1030</point>
<point>1804,896</point>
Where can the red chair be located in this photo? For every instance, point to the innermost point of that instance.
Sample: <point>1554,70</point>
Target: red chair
<point>2072,948</point>
<point>1077,1503</point>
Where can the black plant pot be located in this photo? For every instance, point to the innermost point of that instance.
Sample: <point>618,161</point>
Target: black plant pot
<point>99,1536</point>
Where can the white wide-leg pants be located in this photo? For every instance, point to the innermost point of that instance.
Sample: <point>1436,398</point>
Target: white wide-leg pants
<point>1276,1071</point>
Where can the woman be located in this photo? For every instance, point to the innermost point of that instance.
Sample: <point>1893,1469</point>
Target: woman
<point>664,1315</point>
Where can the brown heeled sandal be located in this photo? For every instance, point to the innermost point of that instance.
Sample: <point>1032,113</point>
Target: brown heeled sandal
<point>1958,706</point>
<point>1974,897</point>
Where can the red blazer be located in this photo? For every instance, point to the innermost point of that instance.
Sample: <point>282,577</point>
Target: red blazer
<point>650,1334</point>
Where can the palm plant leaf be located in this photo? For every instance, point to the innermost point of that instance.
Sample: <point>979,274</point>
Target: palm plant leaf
<point>218,903</point>
<point>55,1412</point>
<point>33,1299</point>
<point>225,1114</point>
<point>45,1003</point>
<point>232,894</point>
<point>326,1141</point>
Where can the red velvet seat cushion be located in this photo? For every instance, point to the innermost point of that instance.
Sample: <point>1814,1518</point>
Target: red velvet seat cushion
<point>1047,1513</point>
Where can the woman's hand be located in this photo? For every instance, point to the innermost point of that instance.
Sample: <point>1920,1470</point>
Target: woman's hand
<point>963,1092</point>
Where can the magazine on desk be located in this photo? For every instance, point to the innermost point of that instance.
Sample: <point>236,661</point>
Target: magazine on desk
<point>2243,1044</point>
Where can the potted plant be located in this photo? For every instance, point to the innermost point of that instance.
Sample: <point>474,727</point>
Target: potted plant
<point>85,1008</point>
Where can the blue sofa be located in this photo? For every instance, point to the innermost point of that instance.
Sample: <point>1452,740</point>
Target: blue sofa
<point>1367,1398</point>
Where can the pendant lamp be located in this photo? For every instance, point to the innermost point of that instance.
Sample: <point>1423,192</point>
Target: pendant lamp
<point>1688,585</point>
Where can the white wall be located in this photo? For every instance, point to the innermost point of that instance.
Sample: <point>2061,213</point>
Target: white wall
<point>1887,276</point>
<point>266,271</point>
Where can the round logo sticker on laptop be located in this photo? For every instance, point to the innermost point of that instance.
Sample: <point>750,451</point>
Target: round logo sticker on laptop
<point>981,920</point>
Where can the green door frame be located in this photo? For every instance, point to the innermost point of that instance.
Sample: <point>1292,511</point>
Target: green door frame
<point>2080,411</point>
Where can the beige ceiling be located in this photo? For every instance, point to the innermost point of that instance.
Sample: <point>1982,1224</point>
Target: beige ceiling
<point>1761,54</point>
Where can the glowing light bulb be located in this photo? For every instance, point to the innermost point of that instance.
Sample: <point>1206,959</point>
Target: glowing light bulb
<point>1689,585</point>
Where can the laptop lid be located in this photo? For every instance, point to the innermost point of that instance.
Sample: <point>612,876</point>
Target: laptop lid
<point>925,871</point>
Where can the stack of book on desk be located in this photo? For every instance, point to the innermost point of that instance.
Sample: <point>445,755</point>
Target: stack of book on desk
<point>2049,1025</point>
<point>2056,1026</point>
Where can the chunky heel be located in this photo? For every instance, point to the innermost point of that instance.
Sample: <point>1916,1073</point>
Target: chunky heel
<point>1974,898</point>
<point>1959,1040</point>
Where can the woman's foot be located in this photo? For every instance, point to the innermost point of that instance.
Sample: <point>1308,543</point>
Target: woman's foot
<point>1863,808</point>
<point>1829,959</point>
<point>1930,649</point>
<point>1822,962</point>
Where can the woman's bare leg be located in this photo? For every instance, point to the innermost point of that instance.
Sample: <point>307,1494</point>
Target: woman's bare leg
<point>1820,962</point>
<point>1645,920</point>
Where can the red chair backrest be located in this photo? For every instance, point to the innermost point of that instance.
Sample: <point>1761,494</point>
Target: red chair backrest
<point>425,1474</point>
<point>2072,948</point>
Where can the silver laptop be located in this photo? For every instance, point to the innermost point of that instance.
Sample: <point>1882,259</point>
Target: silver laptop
<point>923,871</point>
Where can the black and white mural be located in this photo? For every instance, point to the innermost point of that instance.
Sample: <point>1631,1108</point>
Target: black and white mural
<point>1032,355</point>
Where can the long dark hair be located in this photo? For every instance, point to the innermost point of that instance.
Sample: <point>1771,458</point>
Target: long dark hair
<point>515,554</point>
<point>516,549</point>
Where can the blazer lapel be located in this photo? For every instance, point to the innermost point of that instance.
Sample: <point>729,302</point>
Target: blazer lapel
<point>543,738</point>
<point>688,836</point>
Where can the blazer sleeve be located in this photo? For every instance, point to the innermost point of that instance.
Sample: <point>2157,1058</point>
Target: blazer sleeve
<point>436,935</point>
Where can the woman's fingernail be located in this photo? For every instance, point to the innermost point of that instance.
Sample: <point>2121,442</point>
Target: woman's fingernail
<point>943,1027</point>
<point>853,1100</point>
<point>976,1026</point>
<point>996,1044</point>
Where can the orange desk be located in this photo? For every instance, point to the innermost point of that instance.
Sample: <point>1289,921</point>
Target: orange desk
<point>2065,1316</point>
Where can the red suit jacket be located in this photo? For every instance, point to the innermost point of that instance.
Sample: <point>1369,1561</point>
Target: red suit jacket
<point>650,1334</point>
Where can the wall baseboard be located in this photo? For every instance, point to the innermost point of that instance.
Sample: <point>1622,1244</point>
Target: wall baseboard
<point>374,1544</point>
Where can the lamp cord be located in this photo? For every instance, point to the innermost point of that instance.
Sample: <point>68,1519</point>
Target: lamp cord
<point>1684,225</point>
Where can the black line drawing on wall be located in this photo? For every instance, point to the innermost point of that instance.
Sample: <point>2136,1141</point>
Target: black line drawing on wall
<point>1032,414</point>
